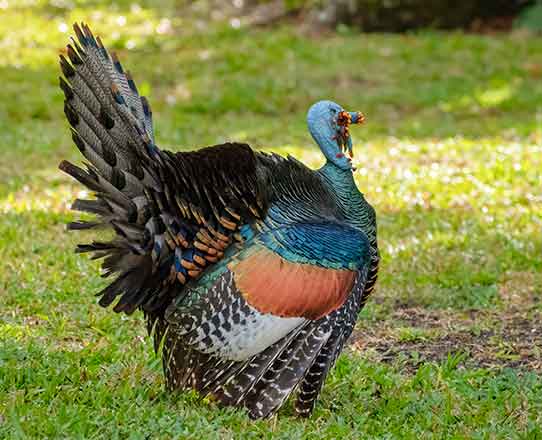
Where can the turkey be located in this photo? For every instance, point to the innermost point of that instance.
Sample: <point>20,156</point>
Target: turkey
<point>250,268</point>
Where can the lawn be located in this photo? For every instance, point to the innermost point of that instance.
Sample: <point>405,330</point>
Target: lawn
<point>449,346</point>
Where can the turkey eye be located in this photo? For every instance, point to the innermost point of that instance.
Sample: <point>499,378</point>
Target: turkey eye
<point>333,111</point>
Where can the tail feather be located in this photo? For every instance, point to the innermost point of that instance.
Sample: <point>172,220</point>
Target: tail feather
<point>81,225</point>
<point>233,386</point>
<point>111,194</point>
<point>80,175</point>
<point>103,93</point>
<point>316,375</point>
<point>286,372</point>
<point>97,207</point>
<point>343,324</point>
<point>147,112</point>
<point>95,157</point>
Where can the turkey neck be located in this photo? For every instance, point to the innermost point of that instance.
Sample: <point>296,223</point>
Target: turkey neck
<point>350,200</point>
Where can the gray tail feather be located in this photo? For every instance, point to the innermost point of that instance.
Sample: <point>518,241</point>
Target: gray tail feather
<point>286,372</point>
<point>312,383</point>
<point>343,325</point>
<point>231,387</point>
<point>107,84</point>
<point>111,123</point>
<point>112,127</point>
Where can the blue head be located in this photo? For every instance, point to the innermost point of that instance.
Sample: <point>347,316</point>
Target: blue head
<point>328,124</point>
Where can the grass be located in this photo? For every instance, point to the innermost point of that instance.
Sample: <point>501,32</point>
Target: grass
<point>451,158</point>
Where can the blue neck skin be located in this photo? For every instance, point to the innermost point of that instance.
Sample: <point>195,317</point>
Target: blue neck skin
<point>324,134</point>
<point>323,123</point>
<point>338,167</point>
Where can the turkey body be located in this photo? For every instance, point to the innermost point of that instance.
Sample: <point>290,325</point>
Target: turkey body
<point>250,268</point>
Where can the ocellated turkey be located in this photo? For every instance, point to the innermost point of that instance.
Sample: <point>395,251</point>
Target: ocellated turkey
<point>250,268</point>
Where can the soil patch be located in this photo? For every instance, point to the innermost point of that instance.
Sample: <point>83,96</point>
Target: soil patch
<point>412,336</point>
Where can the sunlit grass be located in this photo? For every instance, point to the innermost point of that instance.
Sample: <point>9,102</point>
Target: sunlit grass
<point>450,157</point>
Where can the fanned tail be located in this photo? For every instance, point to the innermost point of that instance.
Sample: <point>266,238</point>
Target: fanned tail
<point>173,214</point>
<point>112,127</point>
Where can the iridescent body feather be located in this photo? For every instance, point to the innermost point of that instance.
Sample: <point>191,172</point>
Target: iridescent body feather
<point>250,268</point>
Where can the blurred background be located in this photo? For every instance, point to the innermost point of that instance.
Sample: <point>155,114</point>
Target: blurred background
<point>450,157</point>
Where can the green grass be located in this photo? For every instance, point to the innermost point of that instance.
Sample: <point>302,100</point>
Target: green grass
<point>451,158</point>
